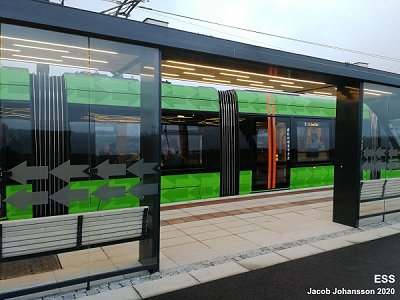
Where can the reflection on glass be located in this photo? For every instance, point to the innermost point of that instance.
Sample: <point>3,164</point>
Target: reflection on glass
<point>182,145</point>
<point>381,143</point>
<point>261,142</point>
<point>67,105</point>
<point>313,141</point>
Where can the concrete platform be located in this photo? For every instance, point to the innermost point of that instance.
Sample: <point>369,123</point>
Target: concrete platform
<point>221,237</point>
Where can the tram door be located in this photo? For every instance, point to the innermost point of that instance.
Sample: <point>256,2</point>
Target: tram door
<point>271,146</point>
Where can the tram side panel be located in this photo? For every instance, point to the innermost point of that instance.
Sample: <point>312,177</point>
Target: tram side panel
<point>287,141</point>
<point>190,143</point>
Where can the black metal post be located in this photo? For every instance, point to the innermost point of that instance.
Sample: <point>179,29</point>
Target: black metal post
<point>346,196</point>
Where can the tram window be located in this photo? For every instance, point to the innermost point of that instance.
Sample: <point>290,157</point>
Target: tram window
<point>182,146</point>
<point>118,141</point>
<point>313,141</point>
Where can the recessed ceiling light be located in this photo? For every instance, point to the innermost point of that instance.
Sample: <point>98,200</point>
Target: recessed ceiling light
<point>252,81</point>
<point>281,81</point>
<point>41,48</point>
<point>198,74</point>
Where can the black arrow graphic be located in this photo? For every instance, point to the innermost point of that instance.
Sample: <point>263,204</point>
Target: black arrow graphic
<point>22,173</point>
<point>106,170</point>
<point>23,198</point>
<point>65,195</point>
<point>140,168</point>
<point>141,189</point>
<point>106,192</point>
<point>66,171</point>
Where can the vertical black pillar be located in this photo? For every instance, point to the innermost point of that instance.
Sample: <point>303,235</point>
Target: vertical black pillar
<point>346,196</point>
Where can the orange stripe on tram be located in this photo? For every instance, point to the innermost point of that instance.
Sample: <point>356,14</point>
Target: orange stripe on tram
<point>271,142</point>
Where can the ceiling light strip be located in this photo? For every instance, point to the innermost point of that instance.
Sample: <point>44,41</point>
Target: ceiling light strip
<point>40,48</point>
<point>261,85</point>
<point>234,75</point>
<point>378,91</point>
<point>281,81</point>
<point>56,44</point>
<point>293,86</point>
<point>320,96</point>
<point>48,63</point>
<point>371,93</point>
<point>85,59</point>
<point>252,81</point>
<point>198,74</point>
<point>323,93</point>
<point>11,50</point>
<point>216,80</point>
<point>243,72</point>
<point>177,67</point>
<point>36,57</point>
<point>170,74</point>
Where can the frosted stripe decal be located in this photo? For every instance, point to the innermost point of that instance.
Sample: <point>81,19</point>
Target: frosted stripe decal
<point>229,179</point>
<point>50,138</point>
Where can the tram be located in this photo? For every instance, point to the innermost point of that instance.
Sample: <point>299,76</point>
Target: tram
<point>213,143</point>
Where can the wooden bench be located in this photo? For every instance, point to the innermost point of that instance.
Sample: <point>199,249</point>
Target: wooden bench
<point>379,189</point>
<point>51,235</point>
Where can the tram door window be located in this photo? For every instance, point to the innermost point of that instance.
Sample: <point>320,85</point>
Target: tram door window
<point>260,177</point>
<point>271,152</point>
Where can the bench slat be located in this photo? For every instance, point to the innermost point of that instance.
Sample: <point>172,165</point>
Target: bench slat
<point>110,238</point>
<point>16,229</point>
<point>44,230</point>
<point>36,235</point>
<point>71,238</point>
<point>44,246</point>
<point>100,233</point>
<point>110,222</point>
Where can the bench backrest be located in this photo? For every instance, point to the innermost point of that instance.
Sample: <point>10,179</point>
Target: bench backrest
<point>71,232</point>
<point>392,188</point>
<point>372,190</point>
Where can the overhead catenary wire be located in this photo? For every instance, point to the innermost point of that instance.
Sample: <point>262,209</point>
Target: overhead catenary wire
<point>223,32</point>
<point>384,57</point>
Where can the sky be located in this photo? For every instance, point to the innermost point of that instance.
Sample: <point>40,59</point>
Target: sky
<point>362,25</point>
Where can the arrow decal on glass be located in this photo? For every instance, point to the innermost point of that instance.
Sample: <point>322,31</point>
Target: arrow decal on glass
<point>22,173</point>
<point>66,171</point>
<point>392,166</point>
<point>393,153</point>
<point>65,195</point>
<point>22,199</point>
<point>140,189</point>
<point>369,153</point>
<point>380,152</point>
<point>106,192</point>
<point>106,170</point>
<point>140,168</point>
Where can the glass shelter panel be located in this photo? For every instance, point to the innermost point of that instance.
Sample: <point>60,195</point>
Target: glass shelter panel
<point>380,161</point>
<point>79,152</point>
